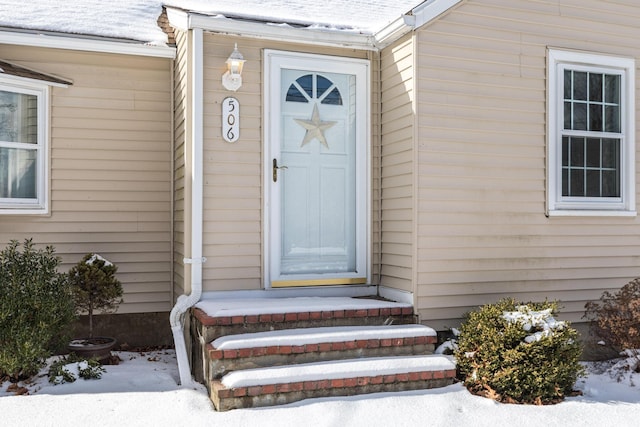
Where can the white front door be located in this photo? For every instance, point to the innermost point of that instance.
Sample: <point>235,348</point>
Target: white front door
<point>317,170</point>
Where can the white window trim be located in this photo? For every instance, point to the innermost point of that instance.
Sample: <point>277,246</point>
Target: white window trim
<point>41,90</point>
<point>556,205</point>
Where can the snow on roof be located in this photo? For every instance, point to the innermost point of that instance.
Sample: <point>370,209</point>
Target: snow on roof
<point>367,16</point>
<point>122,19</point>
<point>136,20</point>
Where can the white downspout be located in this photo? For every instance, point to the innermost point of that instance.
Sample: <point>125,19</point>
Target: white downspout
<point>184,302</point>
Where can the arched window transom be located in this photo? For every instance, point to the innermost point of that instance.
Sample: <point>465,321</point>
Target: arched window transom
<point>314,86</point>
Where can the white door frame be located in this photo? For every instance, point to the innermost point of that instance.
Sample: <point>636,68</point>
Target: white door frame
<point>273,62</point>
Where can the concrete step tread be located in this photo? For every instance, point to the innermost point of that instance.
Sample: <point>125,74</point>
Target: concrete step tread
<point>305,336</point>
<point>258,306</point>
<point>350,368</point>
<point>276,386</point>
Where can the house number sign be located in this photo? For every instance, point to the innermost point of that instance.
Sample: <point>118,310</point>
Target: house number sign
<point>230,119</point>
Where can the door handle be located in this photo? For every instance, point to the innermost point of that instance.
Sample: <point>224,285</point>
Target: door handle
<point>275,170</point>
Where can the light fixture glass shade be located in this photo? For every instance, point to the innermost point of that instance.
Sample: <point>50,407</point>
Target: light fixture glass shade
<point>232,79</point>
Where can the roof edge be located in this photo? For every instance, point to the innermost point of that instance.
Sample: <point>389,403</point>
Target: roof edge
<point>432,9</point>
<point>71,42</point>
<point>394,30</point>
<point>315,36</point>
<point>419,16</point>
<point>9,70</point>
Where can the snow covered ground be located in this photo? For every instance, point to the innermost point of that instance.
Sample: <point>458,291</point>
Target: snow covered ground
<point>142,390</point>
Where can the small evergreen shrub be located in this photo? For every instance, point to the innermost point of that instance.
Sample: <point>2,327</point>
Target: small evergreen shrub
<point>518,353</point>
<point>36,308</point>
<point>615,319</point>
<point>95,286</point>
<point>68,369</point>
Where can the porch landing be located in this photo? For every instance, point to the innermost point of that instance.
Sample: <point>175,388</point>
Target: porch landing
<point>232,310</point>
<point>222,317</point>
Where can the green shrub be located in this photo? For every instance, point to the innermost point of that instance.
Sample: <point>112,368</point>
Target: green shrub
<point>36,308</point>
<point>95,286</point>
<point>70,368</point>
<point>616,319</point>
<point>518,353</point>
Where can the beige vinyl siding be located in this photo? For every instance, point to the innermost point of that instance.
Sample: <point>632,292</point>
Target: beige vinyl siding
<point>110,183</point>
<point>233,173</point>
<point>376,177</point>
<point>397,165</point>
<point>482,230</point>
<point>181,97</point>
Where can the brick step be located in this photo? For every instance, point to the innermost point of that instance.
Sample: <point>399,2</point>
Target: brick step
<point>294,346</point>
<point>228,317</point>
<point>285,384</point>
<point>214,318</point>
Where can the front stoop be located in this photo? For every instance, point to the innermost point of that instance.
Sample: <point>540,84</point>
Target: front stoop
<point>271,351</point>
<point>277,386</point>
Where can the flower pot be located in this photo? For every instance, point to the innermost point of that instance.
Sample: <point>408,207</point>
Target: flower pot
<point>98,347</point>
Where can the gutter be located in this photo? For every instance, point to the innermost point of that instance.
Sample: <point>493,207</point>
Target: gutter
<point>419,16</point>
<point>65,41</point>
<point>259,30</point>
<point>185,302</point>
<point>172,150</point>
<point>393,31</point>
<point>431,9</point>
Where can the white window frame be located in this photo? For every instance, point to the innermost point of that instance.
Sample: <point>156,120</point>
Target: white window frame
<point>39,205</point>
<point>557,204</point>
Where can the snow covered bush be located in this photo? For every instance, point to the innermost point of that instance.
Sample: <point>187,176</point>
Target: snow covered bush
<point>615,319</point>
<point>69,369</point>
<point>36,308</point>
<point>450,344</point>
<point>518,353</point>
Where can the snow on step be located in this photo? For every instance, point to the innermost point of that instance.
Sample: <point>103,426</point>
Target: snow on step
<point>256,306</point>
<point>301,337</point>
<point>351,368</point>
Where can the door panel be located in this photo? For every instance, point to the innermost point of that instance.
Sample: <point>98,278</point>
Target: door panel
<point>317,218</point>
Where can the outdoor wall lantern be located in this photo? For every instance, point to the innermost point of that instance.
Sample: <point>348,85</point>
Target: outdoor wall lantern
<point>232,78</point>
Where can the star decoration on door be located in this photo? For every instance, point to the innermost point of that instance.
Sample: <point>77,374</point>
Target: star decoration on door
<point>315,128</point>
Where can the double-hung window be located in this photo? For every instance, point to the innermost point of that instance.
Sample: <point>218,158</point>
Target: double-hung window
<point>591,134</point>
<point>23,147</point>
